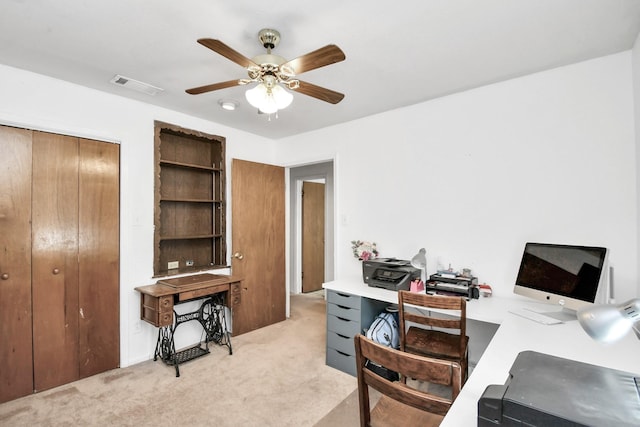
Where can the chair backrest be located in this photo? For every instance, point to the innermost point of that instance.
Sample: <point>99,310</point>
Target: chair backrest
<point>455,309</point>
<point>421,368</point>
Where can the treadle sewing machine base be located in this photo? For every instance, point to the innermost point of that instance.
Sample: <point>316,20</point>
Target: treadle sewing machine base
<point>157,307</point>
<point>211,315</point>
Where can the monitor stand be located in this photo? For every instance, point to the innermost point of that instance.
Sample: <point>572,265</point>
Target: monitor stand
<point>564,314</point>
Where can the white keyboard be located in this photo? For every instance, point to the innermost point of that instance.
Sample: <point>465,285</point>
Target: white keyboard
<point>535,316</point>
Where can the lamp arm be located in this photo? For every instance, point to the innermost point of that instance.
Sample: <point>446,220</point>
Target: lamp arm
<point>636,330</point>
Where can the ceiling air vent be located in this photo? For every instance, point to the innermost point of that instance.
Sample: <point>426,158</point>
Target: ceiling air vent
<point>136,85</point>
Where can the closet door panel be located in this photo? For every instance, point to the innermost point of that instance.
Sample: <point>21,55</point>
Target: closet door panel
<point>55,260</point>
<point>99,256</point>
<point>16,378</point>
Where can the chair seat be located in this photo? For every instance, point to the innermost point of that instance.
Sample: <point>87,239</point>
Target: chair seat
<point>435,343</point>
<point>390,412</point>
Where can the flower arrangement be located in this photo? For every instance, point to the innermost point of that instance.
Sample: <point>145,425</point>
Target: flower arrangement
<point>364,250</point>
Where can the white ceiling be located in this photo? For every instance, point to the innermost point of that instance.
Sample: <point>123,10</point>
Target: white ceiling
<point>398,53</point>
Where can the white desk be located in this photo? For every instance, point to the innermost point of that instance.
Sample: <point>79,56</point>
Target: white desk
<point>515,334</point>
<point>491,310</point>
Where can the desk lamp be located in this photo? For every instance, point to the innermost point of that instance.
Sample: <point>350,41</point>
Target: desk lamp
<point>608,323</point>
<point>419,260</point>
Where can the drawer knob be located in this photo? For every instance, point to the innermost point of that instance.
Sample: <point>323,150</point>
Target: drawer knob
<point>56,271</point>
<point>5,276</point>
<point>238,255</point>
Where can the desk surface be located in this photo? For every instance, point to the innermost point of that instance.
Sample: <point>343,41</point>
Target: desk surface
<point>186,284</point>
<point>514,335</point>
<point>490,309</point>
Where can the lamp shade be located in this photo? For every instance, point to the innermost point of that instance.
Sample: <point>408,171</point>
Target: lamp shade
<point>608,323</point>
<point>268,100</point>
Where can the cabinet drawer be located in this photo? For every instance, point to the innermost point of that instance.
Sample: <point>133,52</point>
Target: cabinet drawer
<point>341,361</point>
<point>346,327</point>
<point>345,300</point>
<point>157,318</point>
<point>343,311</point>
<point>157,310</point>
<point>340,342</point>
<point>162,304</point>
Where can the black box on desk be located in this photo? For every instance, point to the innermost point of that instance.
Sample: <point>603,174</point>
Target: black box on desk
<point>544,390</point>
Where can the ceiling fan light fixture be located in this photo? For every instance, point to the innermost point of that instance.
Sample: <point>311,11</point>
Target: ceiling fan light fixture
<point>269,100</point>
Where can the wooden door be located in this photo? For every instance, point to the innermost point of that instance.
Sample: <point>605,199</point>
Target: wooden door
<point>312,236</point>
<point>257,192</point>
<point>99,256</point>
<point>55,260</point>
<point>16,365</point>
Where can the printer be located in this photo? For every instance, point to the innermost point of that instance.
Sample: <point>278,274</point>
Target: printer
<point>545,390</point>
<point>389,273</point>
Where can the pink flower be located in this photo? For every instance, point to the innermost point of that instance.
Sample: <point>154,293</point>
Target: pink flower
<point>365,256</point>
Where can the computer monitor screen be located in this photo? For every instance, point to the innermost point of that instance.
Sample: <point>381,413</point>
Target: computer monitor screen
<point>570,276</point>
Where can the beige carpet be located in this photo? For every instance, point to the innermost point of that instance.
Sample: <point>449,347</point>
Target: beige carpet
<point>276,377</point>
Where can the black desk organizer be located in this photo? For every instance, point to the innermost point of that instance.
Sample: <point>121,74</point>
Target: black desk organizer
<point>211,315</point>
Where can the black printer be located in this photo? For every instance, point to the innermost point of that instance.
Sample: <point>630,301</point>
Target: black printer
<point>389,273</point>
<point>544,390</point>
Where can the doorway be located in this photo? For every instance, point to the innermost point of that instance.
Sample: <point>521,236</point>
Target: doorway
<point>319,173</point>
<point>312,235</point>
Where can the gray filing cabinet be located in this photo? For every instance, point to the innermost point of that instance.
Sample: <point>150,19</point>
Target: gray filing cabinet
<point>347,315</point>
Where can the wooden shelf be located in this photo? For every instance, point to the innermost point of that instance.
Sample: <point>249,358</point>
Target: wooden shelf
<point>189,200</point>
<point>189,165</point>
<point>200,236</point>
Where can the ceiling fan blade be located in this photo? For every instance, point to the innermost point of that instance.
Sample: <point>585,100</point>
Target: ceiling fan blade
<point>321,93</point>
<point>224,50</point>
<point>327,55</point>
<point>212,87</point>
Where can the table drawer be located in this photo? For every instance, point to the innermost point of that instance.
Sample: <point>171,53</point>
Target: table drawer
<point>343,299</point>
<point>346,327</point>
<point>343,311</point>
<point>341,361</point>
<point>198,293</point>
<point>157,318</point>
<point>163,304</point>
<point>340,342</point>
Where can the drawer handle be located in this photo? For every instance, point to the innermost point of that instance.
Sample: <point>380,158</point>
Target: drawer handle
<point>342,336</point>
<point>343,319</point>
<point>344,307</point>
<point>344,354</point>
<point>343,295</point>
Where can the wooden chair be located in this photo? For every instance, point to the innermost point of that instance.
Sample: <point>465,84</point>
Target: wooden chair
<point>434,335</point>
<point>401,404</point>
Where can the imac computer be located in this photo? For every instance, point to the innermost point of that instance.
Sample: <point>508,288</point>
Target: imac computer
<point>563,275</point>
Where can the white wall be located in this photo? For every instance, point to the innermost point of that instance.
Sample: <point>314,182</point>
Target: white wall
<point>37,102</point>
<point>636,103</point>
<point>471,177</point>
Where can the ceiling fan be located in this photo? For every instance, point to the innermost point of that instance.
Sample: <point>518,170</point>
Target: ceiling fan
<point>271,72</point>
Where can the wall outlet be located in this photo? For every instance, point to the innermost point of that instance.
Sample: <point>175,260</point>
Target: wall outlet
<point>189,263</point>
<point>173,265</point>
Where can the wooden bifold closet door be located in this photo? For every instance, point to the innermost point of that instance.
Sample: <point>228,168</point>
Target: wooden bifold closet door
<point>60,323</point>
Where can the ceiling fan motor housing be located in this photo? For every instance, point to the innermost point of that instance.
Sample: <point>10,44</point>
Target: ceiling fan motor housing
<point>269,38</point>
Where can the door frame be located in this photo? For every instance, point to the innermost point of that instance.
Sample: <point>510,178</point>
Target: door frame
<point>297,174</point>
